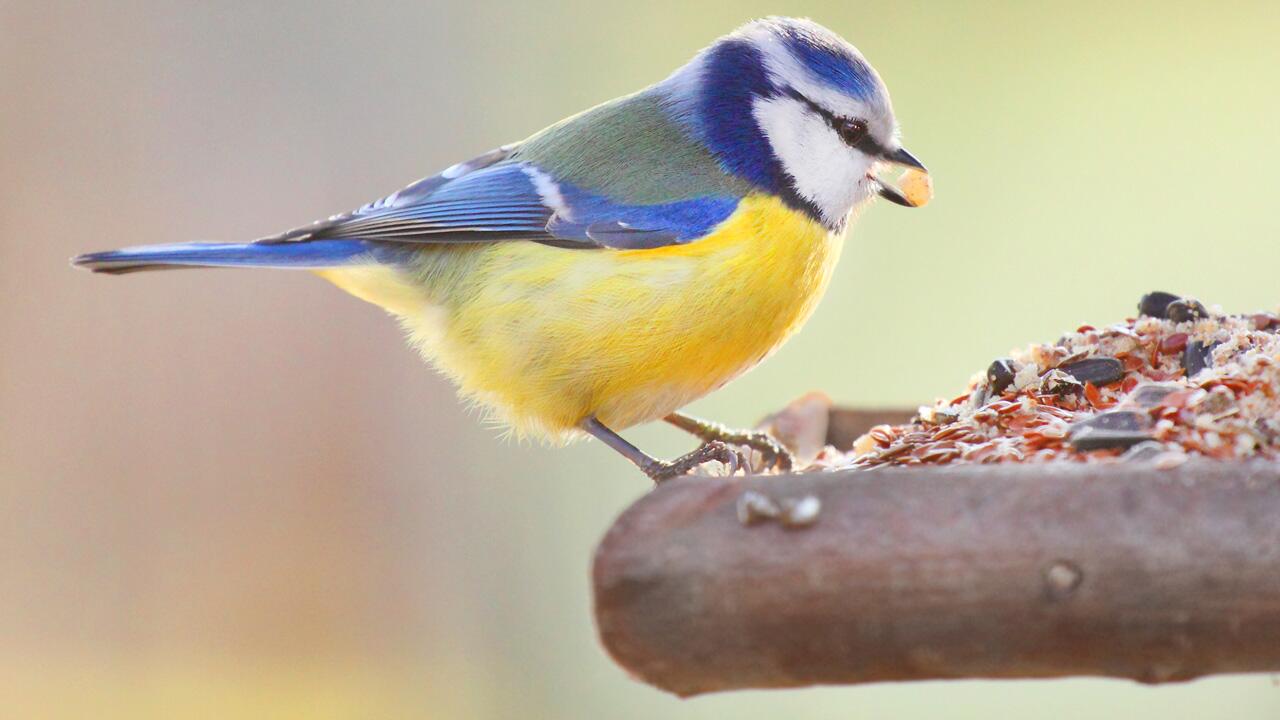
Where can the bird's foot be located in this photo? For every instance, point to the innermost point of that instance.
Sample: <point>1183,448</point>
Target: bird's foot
<point>773,454</point>
<point>714,450</point>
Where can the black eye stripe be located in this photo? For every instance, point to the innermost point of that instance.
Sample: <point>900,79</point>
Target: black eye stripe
<point>867,144</point>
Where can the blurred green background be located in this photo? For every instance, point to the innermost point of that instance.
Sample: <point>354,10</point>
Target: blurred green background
<point>238,494</point>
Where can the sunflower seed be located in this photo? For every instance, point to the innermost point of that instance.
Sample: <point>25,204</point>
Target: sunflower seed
<point>1000,375</point>
<point>1059,383</point>
<point>1097,370</point>
<point>1155,304</point>
<point>1090,439</point>
<point>1197,357</point>
<point>1149,395</point>
<point>1113,421</point>
<point>1185,309</point>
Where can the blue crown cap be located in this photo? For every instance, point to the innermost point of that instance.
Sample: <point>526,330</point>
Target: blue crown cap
<point>829,58</point>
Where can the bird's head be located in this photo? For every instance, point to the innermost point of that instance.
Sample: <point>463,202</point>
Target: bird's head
<point>792,108</point>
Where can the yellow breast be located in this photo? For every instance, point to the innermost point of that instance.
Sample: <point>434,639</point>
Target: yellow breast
<point>545,337</point>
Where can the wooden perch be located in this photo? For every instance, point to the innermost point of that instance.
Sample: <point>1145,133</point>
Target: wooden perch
<point>950,572</point>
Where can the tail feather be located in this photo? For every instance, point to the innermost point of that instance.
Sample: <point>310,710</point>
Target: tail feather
<point>300,255</point>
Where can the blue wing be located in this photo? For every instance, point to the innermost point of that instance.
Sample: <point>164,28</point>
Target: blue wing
<point>493,198</point>
<point>496,198</point>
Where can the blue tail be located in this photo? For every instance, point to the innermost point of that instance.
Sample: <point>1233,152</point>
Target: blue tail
<point>300,255</point>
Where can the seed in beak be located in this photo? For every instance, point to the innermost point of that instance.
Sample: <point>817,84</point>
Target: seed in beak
<point>916,186</point>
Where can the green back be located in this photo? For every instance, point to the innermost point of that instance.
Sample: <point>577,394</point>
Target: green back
<point>630,150</point>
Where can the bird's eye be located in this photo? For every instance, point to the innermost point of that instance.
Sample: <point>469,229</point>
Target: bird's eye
<point>851,131</point>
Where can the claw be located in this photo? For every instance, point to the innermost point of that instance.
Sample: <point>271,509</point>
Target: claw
<point>663,471</point>
<point>772,453</point>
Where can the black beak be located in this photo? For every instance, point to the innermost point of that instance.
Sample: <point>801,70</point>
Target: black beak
<point>890,193</point>
<point>904,158</point>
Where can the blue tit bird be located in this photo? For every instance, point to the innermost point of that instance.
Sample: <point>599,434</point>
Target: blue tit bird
<point>628,260</point>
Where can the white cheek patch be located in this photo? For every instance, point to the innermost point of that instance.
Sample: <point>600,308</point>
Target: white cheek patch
<point>826,172</point>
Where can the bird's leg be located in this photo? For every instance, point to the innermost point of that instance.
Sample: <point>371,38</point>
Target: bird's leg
<point>772,451</point>
<point>656,469</point>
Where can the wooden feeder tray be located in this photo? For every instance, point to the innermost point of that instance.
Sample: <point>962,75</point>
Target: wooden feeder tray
<point>968,571</point>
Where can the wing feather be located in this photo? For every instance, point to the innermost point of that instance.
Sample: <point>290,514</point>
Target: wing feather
<point>496,198</point>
